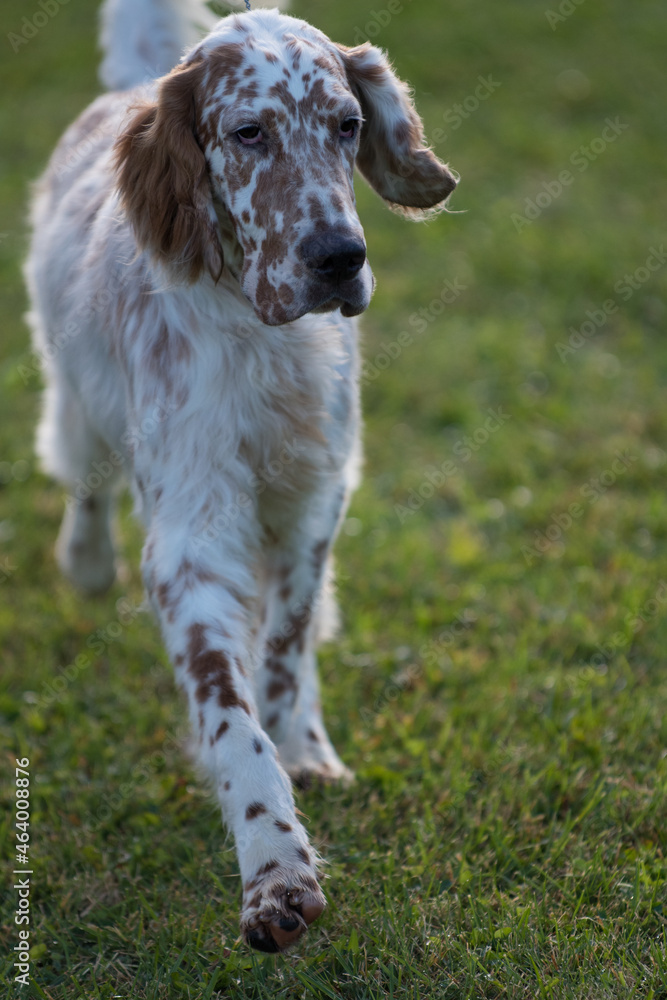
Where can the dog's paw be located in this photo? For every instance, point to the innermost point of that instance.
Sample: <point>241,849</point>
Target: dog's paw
<point>84,550</point>
<point>312,775</point>
<point>309,758</point>
<point>278,907</point>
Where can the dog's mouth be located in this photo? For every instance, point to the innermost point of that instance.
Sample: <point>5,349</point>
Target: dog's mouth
<point>351,297</point>
<point>346,308</point>
<point>280,303</point>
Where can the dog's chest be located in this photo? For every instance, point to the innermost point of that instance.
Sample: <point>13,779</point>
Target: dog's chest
<point>275,409</point>
<point>299,413</point>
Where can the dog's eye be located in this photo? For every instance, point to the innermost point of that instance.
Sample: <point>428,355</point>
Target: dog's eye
<point>348,128</point>
<point>249,134</point>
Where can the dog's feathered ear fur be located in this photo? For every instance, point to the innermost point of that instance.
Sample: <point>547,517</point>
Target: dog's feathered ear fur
<point>163,180</point>
<point>393,156</point>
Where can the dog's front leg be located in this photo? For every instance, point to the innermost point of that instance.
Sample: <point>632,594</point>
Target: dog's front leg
<point>204,593</point>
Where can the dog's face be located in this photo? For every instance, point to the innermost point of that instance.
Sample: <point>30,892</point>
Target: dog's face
<point>246,159</point>
<point>280,132</point>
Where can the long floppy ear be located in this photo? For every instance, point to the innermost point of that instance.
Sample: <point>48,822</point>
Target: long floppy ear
<point>393,156</point>
<point>163,181</point>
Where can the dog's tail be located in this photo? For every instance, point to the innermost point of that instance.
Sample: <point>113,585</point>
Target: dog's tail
<point>144,39</point>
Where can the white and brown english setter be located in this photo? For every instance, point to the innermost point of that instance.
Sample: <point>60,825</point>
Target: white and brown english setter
<point>196,264</point>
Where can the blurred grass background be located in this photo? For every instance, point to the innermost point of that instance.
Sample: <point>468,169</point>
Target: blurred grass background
<point>499,685</point>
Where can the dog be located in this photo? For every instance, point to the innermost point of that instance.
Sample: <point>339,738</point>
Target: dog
<point>195,269</point>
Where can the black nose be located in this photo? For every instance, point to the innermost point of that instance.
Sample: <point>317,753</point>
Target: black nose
<point>334,256</point>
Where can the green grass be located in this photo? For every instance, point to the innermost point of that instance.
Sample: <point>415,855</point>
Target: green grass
<point>500,693</point>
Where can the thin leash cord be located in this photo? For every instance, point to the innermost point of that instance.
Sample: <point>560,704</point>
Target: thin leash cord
<point>247,4</point>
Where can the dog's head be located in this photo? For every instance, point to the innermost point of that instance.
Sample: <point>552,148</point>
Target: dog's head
<point>246,159</point>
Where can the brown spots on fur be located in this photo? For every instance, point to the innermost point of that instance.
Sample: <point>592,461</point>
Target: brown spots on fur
<point>268,298</point>
<point>225,64</point>
<point>221,730</point>
<point>211,670</point>
<point>285,827</point>
<point>258,748</point>
<point>276,689</point>
<point>275,246</point>
<point>165,353</point>
<point>328,64</point>
<point>252,883</point>
<point>316,214</point>
<point>187,577</point>
<point>190,573</point>
<point>162,594</point>
<point>322,97</point>
<point>254,810</point>
<point>248,93</point>
<point>283,681</point>
<point>272,720</point>
<point>313,736</point>
<point>227,785</point>
<point>285,592</point>
<point>293,633</point>
<point>303,855</point>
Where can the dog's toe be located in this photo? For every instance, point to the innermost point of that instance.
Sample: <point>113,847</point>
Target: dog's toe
<point>281,919</point>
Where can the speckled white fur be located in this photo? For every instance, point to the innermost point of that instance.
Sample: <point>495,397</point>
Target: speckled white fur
<point>240,439</point>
